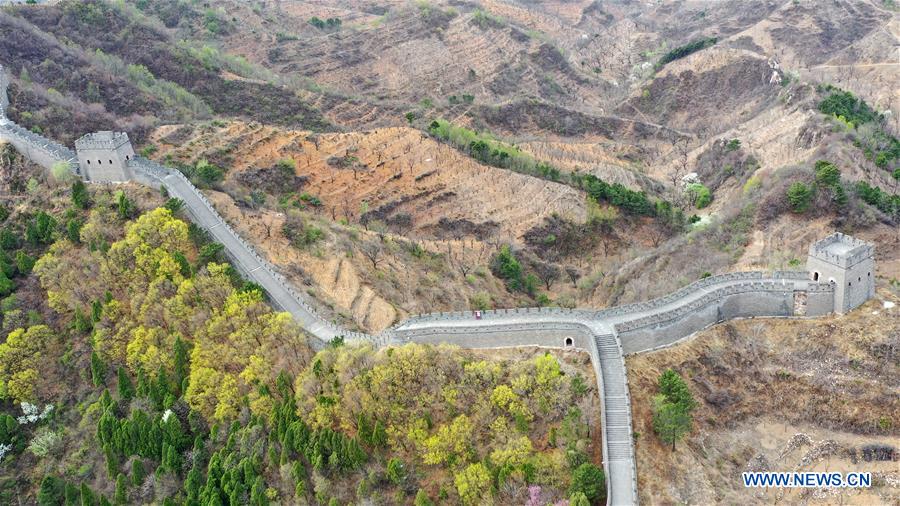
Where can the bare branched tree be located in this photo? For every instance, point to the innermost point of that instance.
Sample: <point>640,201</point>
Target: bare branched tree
<point>682,151</point>
<point>574,275</point>
<point>402,222</point>
<point>379,228</point>
<point>372,251</point>
<point>458,260</point>
<point>548,273</point>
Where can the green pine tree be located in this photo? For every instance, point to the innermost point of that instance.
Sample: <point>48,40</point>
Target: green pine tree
<point>395,471</point>
<point>87,496</point>
<point>422,499</point>
<point>258,493</point>
<point>82,322</point>
<point>73,230</point>
<point>589,480</point>
<point>143,386</point>
<point>73,495</point>
<point>137,473</point>
<point>379,435</point>
<point>126,387</point>
<point>105,399</point>
<point>51,492</point>
<point>80,196</point>
<point>160,387</point>
<point>192,484</point>
<point>112,460</point>
<point>121,496</point>
<point>671,421</point>
<point>676,390</point>
<point>96,311</point>
<point>98,369</point>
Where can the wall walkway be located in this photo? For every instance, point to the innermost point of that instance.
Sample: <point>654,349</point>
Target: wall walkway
<point>608,334</point>
<point>242,254</point>
<point>611,333</point>
<point>35,147</point>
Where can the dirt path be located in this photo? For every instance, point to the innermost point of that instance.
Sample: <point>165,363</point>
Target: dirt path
<point>855,65</point>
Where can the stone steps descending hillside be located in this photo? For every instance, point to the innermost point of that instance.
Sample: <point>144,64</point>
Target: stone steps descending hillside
<point>617,429</point>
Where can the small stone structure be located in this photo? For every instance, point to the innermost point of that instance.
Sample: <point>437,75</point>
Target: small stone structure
<point>104,157</point>
<point>847,263</point>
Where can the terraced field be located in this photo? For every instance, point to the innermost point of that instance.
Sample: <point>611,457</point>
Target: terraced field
<point>390,171</point>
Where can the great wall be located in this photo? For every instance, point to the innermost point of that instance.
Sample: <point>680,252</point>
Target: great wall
<point>607,334</point>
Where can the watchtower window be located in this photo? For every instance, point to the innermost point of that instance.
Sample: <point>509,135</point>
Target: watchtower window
<point>128,157</point>
<point>89,162</point>
<point>568,341</point>
<point>110,162</point>
<point>99,162</point>
<point>815,276</point>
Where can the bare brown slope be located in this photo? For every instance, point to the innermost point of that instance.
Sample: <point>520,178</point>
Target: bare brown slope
<point>776,395</point>
<point>391,170</point>
<point>707,92</point>
<point>435,52</point>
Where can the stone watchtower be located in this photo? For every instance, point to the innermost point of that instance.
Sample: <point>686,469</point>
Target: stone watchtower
<point>104,157</point>
<point>847,263</point>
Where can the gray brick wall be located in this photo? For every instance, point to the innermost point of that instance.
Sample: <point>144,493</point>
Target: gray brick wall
<point>4,83</point>
<point>37,148</point>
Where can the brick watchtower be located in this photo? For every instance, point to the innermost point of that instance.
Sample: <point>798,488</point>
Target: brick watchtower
<point>849,264</point>
<point>104,157</point>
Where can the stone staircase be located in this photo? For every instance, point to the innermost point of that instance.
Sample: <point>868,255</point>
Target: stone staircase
<point>618,445</point>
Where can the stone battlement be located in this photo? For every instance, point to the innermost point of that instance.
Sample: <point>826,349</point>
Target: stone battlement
<point>841,250</point>
<point>102,140</point>
<point>37,148</point>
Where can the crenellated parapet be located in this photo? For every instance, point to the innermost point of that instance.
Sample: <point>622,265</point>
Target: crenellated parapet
<point>654,304</point>
<point>717,296</point>
<point>841,250</point>
<point>36,147</point>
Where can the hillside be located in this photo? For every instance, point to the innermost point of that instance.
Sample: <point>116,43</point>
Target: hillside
<point>385,175</point>
<point>393,170</point>
<point>762,386</point>
<point>101,66</point>
<point>136,361</point>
